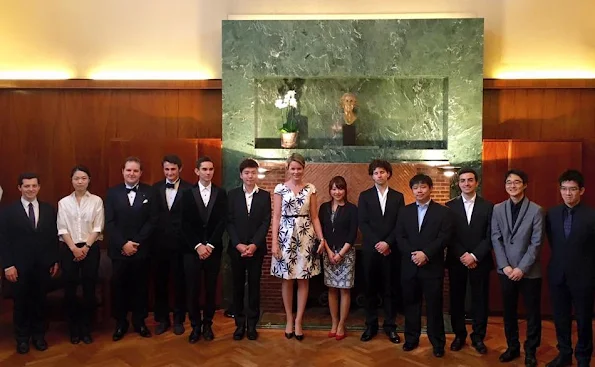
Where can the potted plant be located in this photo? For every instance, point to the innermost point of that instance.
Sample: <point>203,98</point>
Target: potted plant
<point>289,129</point>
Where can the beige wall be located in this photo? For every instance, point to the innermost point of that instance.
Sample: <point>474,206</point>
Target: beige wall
<point>182,38</point>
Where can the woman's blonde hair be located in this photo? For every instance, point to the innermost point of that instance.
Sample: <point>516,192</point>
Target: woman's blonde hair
<point>296,157</point>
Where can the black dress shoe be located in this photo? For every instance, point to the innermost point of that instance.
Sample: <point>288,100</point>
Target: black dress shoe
<point>560,361</point>
<point>228,313</point>
<point>408,347</point>
<point>438,352</point>
<point>179,329</point>
<point>162,328</point>
<point>40,344</point>
<point>480,347</point>
<point>23,347</point>
<point>368,334</point>
<point>530,360</point>
<point>457,344</point>
<point>87,339</point>
<point>239,333</point>
<point>509,355</point>
<point>289,335</point>
<point>194,335</point>
<point>393,336</point>
<point>207,332</point>
<point>252,334</point>
<point>119,332</point>
<point>143,331</point>
<point>299,337</point>
<point>75,339</point>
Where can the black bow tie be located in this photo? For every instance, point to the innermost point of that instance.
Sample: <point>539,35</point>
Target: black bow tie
<point>170,185</point>
<point>135,189</point>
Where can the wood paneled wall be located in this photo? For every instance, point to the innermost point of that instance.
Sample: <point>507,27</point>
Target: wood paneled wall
<point>544,110</point>
<point>49,126</point>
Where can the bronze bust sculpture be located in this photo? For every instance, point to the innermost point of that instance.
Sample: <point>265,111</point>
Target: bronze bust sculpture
<point>349,105</point>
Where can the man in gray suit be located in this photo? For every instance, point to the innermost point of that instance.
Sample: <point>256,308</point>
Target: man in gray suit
<point>517,235</point>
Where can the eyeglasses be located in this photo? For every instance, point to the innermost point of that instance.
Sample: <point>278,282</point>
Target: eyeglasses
<point>514,183</point>
<point>569,189</point>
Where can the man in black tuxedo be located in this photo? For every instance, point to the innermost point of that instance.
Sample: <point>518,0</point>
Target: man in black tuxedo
<point>204,212</point>
<point>29,257</point>
<point>377,211</point>
<point>570,230</point>
<point>423,229</point>
<point>129,222</point>
<point>469,257</point>
<point>249,218</point>
<point>167,254</point>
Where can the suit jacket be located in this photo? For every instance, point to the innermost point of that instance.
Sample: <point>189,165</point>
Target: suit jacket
<point>26,247</point>
<point>374,226</point>
<point>124,222</point>
<point>247,228</point>
<point>202,224</point>
<point>168,223</point>
<point>518,245</point>
<point>474,237</point>
<point>435,232</point>
<point>573,258</point>
<point>343,229</point>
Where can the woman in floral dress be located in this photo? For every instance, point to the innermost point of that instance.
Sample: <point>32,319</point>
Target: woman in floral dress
<point>296,229</point>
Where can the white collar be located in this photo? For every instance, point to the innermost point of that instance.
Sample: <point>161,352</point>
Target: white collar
<point>26,202</point>
<point>425,205</point>
<point>253,191</point>
<point>169,182</point>
<point>208,187</point>
<point>385,191</point>
<point>470,201</point>
<point>87,194</point>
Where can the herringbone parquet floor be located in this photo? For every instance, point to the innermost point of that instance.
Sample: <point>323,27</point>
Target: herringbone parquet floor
<point>271,349</point>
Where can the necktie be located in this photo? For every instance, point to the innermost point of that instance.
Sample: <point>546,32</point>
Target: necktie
<point>31,215</point>
<point>170,185</point>
<point>135,188</point>
<point>568,223</point>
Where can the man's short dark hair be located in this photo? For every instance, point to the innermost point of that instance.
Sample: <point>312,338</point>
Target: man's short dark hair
<point>464,170</point>
<point>133,159</point>
<point>420,178</point>
<point>173,159</point>
<point>572,175</point>
<point>380,163</point>
<point>28,176</point>
<point>203,159</point>
<point>519,173</point>
<point>248,163</point>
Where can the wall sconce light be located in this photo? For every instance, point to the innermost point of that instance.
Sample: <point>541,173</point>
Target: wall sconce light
<point>449,171</point>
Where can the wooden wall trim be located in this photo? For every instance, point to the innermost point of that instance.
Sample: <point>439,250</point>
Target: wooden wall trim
<point>538,83</point>
<point>111,84</point>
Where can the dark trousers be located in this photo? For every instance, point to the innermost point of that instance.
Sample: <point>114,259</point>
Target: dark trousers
<point>80,314</point>
<point>130,290</point>
<point>164,264</point>
<point>29,292</point>
<point>382,277</point>
<point>252,266</point>
<point>431,290</point>
<point>201,274</point>
<point>530,289</point>
<point>479,281</point>
<point>565,296</point>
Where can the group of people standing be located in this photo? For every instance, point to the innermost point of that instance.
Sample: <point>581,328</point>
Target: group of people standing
<point>174,227</point>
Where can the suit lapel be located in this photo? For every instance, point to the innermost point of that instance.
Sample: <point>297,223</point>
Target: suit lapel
<point>508,215</point>
<point>243,205</point>
<point>202,210</point>
<point>477,208</point>
<point>163,194</point>
<point>522,212</point>
<point>376,199</point>
<point>428,213</point>
<point>214,191</point>
<point>139,198</point>
<point>460,207</point>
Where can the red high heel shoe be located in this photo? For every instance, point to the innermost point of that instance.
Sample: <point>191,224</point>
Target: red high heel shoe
<point>341,337</point>
<point>331,334</point>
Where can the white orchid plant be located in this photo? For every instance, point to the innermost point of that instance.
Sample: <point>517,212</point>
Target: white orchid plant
<point>289,103</point>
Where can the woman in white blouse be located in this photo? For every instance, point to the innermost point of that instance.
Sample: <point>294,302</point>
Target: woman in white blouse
<point>80,223</point>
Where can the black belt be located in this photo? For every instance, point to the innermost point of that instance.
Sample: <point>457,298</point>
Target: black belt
<point>295,215</point>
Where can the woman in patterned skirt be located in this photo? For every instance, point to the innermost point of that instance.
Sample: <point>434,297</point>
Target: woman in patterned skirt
<point>339,226</point>
<point>296,229</point>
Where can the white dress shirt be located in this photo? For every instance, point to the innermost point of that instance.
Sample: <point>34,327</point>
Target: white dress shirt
<point>422,209</point>
<point>131,194</point>
<point>382,198</point>
<point>170,194</point>
<point>79,220</point>
<point>469,205</point>
<point>35,208</point>
<point>205,192</point>
<point>249,196</point>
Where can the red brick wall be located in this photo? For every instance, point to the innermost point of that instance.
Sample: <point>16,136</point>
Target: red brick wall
<point>358,180</point>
